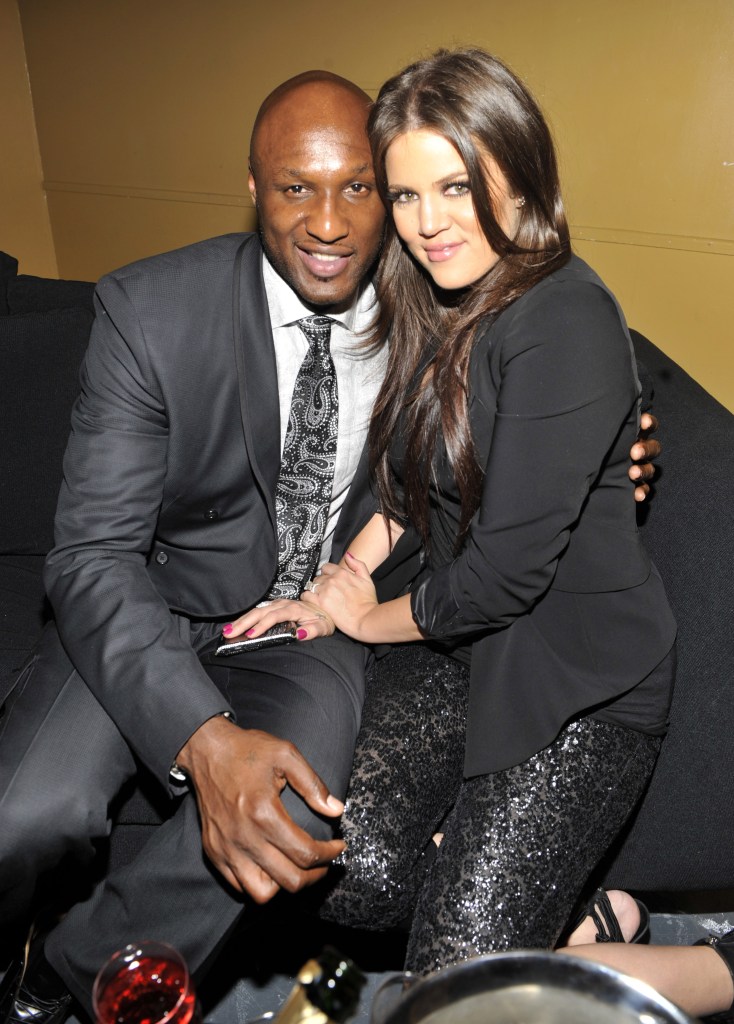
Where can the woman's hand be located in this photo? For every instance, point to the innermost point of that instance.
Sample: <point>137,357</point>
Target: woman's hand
<point>347,595</point>
<point>311,620</point>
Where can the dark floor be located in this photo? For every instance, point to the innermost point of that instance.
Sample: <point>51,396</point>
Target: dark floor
<point>249,994</point>
<point>256,973</point>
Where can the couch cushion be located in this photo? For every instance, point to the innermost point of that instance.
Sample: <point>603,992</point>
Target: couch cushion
<point>40,354</point>
<point>8,270</point>
<point>681,837</point>
<point>26,294</point>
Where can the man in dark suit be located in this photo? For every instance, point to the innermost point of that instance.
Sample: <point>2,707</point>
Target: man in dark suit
<point>166,528</point>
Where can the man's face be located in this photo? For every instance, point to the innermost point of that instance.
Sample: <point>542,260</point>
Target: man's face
<point>319,213</point>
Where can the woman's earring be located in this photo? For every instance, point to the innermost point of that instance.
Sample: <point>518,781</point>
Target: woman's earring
<point>520,201</point>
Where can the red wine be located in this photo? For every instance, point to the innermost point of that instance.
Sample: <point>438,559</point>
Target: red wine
<point>146,992</point>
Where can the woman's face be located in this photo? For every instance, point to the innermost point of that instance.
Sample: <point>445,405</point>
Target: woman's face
<point>433,210</point>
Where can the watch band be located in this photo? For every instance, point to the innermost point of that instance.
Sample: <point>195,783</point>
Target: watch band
<point>176,773</point>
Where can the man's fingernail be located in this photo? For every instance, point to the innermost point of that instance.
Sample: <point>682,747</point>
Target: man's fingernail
<point>226,630</point>
<point>250,631</point>
<point>301,634</point>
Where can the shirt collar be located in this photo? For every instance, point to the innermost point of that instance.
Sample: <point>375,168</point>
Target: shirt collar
<point>286,308</point>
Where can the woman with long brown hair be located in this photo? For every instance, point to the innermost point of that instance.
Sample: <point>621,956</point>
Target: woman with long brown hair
<point>536,697</point>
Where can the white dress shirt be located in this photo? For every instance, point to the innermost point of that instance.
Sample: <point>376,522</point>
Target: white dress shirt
<point>359,374</point>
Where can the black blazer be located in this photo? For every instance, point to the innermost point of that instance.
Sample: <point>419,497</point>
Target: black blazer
<point>553,585</point>
<point>166,512</point>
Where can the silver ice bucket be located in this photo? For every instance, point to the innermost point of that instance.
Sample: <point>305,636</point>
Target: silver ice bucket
<point>523,988</point>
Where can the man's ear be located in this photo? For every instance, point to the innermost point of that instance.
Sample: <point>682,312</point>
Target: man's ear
<point>251,184</point>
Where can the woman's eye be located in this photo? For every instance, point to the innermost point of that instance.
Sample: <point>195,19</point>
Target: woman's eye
<point>400,197</point>
<point>458,188</point>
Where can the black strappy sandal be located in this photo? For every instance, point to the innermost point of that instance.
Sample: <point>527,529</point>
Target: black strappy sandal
<point>599,909</point>
<point>724,946</point>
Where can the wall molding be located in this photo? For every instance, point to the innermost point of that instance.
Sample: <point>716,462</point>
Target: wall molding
<point>165,195</point>
<point>653,240</point>
<point>582,232</point>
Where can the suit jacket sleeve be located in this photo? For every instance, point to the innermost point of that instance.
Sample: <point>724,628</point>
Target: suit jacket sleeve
<point>565,385</point>
<point>116,628</point>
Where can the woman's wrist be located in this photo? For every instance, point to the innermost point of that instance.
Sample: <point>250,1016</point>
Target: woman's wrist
<point>368,627</point>
<point>388,623</point>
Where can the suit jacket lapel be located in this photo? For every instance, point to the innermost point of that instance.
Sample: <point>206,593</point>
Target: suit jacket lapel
<point>256,370</point>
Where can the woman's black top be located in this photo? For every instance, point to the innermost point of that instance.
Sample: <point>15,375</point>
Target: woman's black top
<point>552,601</point>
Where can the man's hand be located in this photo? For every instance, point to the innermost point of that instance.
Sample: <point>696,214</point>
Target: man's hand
<point>647,449</point>
<point>238,776</point>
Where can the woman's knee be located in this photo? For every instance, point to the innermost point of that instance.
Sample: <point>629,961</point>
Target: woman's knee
<point>376,888</point>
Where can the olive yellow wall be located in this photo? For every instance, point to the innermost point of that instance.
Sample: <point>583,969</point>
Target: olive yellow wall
<point>143,110</point>
<point>25,228</point>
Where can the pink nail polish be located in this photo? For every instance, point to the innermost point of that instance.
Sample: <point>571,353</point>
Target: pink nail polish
<point>226,630</point>
<point>301,634</point>
<point>250,631</point>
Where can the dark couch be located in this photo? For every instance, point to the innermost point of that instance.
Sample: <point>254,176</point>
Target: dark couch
<point>680,838</point>
<point>44,331</point>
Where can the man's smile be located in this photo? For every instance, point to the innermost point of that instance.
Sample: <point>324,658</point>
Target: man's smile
<point>323,264</point>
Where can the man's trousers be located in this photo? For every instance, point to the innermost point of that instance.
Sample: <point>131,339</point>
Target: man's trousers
<point>62,762</point>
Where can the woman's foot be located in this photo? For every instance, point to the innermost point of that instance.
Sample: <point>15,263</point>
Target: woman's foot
<point>625,909</point>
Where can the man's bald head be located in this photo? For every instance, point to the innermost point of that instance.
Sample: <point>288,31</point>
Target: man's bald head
<point>328,87</point>
<point>311,177</point>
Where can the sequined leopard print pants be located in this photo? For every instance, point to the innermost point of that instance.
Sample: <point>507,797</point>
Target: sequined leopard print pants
<point>518,844</point>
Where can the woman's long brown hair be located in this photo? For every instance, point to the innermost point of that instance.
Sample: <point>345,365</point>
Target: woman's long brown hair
<point>477,104</point>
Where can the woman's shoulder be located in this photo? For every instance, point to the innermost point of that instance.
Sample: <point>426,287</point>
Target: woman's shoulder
<point>571,301</point>
<point>569,322</point>
<point>574,282</point>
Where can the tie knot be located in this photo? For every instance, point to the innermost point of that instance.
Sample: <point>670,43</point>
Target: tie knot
<point>316,328</point>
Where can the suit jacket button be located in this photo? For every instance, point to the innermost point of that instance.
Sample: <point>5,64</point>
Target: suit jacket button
<point>161,558</point>
<point>213,513</point>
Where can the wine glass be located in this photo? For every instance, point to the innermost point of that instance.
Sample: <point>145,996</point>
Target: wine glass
<point>145,983</point>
